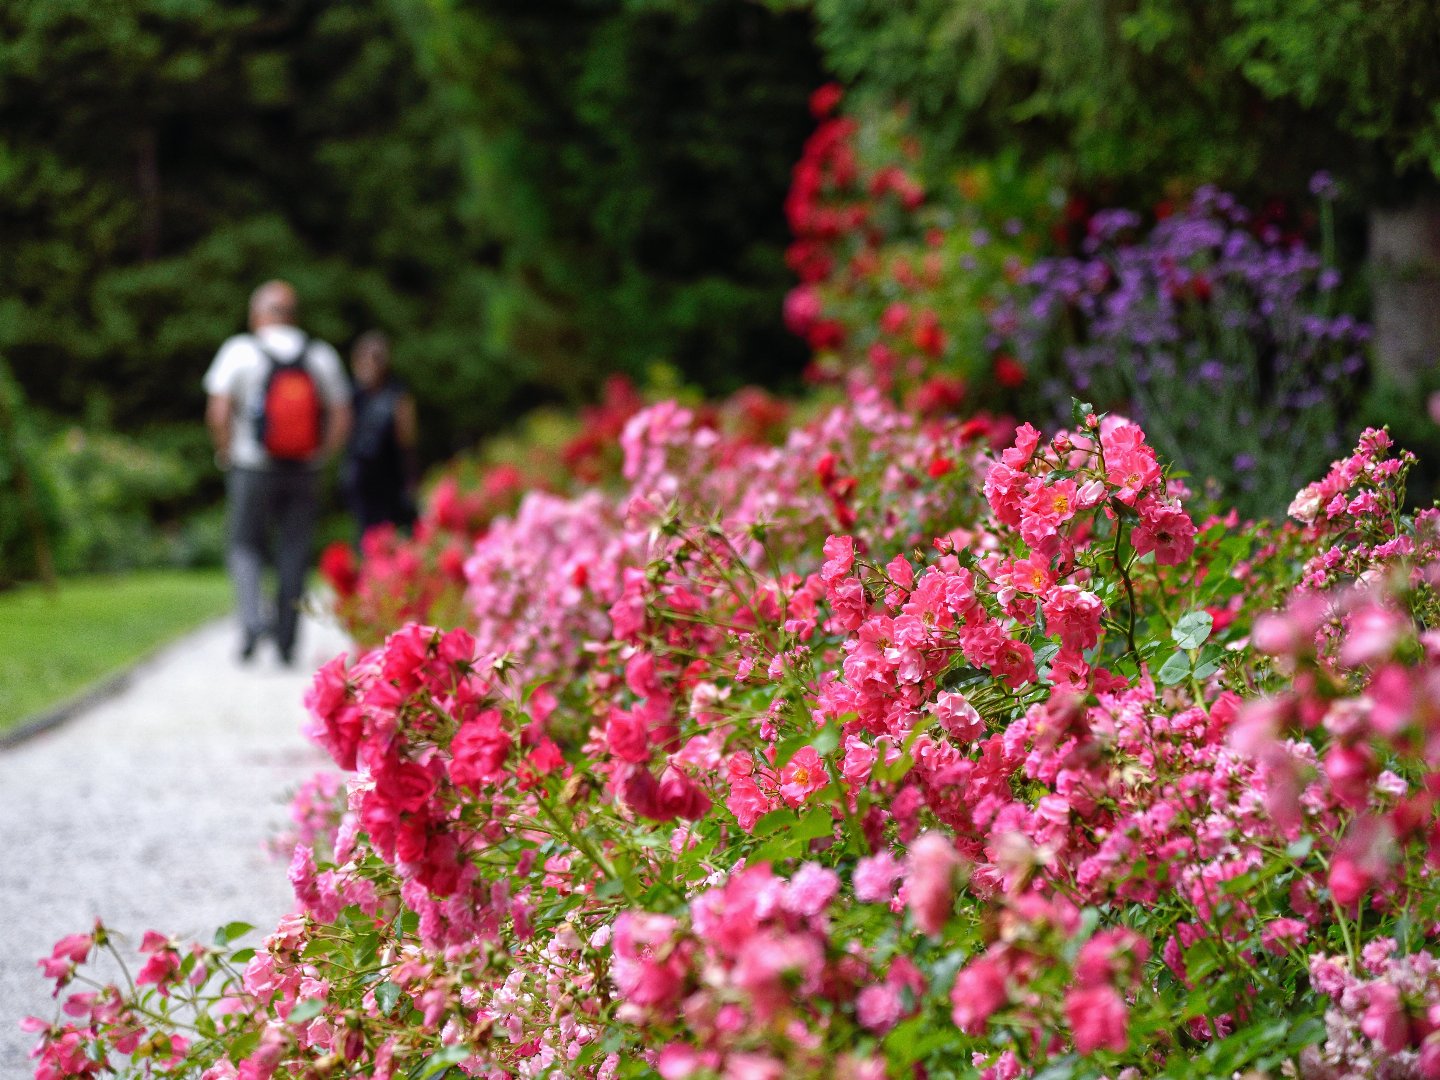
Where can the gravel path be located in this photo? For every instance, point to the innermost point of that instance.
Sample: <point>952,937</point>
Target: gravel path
<point>151,811</point>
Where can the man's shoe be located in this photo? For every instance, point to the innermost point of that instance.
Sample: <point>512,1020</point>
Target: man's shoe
<point>287,656</point>
<point>247,646</point>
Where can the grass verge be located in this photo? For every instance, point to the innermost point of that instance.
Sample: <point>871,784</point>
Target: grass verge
<point>53,645</point>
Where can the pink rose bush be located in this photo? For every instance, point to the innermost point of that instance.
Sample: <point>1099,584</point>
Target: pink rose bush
<point>1027,770</point>
<point>852,742</point>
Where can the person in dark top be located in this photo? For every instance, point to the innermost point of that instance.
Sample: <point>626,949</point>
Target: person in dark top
<point>380,475</point>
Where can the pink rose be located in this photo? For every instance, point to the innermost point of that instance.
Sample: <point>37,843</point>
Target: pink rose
<point>958,717</point>
<point>1385,1021</point>
<point>978,991</point>
<point>930,891</point>
<point>681,797</point>
<point>405,786</point>
<point>648,967</point>
<point>802,774</point>
<point>626,735</point>
<point>1166,530</point>
<point>1097,1019</point>
<point>479,750</point>
<point>1280,935</point>
<point>875,878</point>
<point>878,1007</point>
<point>1349,881</point>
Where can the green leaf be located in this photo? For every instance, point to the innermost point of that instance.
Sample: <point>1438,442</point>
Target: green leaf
<point>1079,410</point>
<point>942,973</point>
<point>1192,629</point>
<point>962,675</point>
<point>318,946</point>
<point>242,956</point>
<point>588,1054</point>
<point>1205,668</point>
<point>387,994</point>
<point>902,1044</point>
<point>1306,1033</point>
<point>306,1010</point>
<point>1061,1068</point>
<point>778,849</point>
<point>438,1062</point>
<point>1300,848</point>
<point>1201,959</point>
<point>895,770</point>
<point>826,740</point>
<point>230,931</point>
<point>1175,670</point>
<point>774,821</point>
<point>244,1045</point>
<point>364,948</point>
<point>817,823</point>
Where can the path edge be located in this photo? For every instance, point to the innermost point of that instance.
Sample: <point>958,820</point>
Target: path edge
<point>98,692</point>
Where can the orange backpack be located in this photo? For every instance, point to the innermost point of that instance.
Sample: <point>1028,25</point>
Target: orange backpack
<point>290,421</point>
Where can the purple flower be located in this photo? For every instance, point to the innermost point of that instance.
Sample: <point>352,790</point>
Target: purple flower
<point>1323,186</point>
<point>1197,313</point>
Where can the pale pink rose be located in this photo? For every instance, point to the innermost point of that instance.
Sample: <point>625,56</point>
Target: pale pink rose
<point>858,762</point>
<point>678,1062</point>
<point>752,1067</point>
<point>875,878</point>
<point>930,887</point>
<point>811,889</point>
<point>648,967</point>
<point>773,968</point>
<point>802,774</point>
<point>1385,1021</point>
<point>958,717</point>
<point>1371,636</point>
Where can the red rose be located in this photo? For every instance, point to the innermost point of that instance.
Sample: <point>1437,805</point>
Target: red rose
<point>478,750</point>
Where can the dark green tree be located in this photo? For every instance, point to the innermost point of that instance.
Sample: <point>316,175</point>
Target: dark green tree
<point>162,158</point>
<point>632,158</point>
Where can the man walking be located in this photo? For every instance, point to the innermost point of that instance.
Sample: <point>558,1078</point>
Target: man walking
<point>279,406</point>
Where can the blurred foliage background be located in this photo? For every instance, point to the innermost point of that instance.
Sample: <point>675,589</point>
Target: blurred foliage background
<point>524,195</point>
<point>531,197</point>
<point>1254,95</point>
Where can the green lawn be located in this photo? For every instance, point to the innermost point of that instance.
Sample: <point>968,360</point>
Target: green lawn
<point>53,645</point>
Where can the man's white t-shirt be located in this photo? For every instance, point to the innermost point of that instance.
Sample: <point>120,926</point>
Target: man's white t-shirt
<point>239,372</point>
